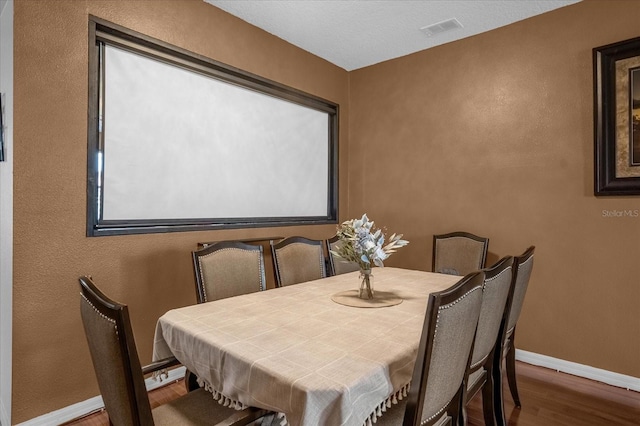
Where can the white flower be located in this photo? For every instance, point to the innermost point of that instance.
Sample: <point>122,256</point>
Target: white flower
<point>364,247</point>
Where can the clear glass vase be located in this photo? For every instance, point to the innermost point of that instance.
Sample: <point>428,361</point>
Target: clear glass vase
<point>366,284</point>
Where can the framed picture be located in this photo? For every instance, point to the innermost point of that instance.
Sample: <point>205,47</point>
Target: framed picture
<point>1,128</point>
<point>616,71</point>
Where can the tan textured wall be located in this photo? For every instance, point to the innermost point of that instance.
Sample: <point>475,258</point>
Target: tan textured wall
<point>494,135</point>
<point>151,273</point>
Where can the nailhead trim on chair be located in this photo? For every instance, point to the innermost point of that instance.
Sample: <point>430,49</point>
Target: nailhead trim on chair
<point>484,285</point>
<point>440,411</point>
<point>320,264</point>
<point>103,316</point>
<point>510,331</point>
<point>204,287</point>
<point>493,278</point>
<point>447,306</point>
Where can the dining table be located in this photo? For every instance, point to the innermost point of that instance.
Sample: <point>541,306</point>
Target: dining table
<point>302,351</point>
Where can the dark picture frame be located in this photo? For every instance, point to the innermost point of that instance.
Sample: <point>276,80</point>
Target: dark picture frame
<point>616,71</point>
<point>2,158</point>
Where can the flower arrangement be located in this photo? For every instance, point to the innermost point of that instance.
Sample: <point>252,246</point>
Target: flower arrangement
<point>363,244</point>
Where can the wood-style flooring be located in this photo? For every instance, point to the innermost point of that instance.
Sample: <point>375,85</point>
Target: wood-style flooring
<point>549,398</point>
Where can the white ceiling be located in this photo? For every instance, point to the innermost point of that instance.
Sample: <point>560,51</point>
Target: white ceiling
<point>357,33</point>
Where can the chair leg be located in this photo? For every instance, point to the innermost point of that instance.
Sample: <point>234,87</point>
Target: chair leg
<point>191,381</point>
<point>488,403</point>
<point>498,401</point>
<point>459,417</point>
<point>511,370</point>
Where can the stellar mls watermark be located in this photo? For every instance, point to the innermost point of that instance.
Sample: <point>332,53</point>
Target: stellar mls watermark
<point>621,213</point>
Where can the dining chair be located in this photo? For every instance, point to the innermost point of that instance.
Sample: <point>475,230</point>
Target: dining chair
<point>490,335</point>
<point>522,267</point>
<point>298,259</point>
<point>459,253</point>
<point>338,265</point>
<point>437,392</point>
<point>228,268</point>
<point>121,378</point>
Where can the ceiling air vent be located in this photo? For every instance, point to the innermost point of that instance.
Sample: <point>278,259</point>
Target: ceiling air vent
<point>441,27</point>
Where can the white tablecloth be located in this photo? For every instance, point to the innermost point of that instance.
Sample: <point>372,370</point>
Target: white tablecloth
<point>295,351</point>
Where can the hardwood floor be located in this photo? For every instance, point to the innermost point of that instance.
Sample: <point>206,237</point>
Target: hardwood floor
<point>549,398</point>
<point>156,397</point>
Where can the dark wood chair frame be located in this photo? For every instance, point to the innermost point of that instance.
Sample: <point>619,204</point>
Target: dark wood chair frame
<point>134,375</point>
<point>190,379</point>
<point>460,234</point>
<point>291,240</point>
<point>196,255</point>
<point>507,349</point>
<point>487,383</point>
<point>417,393</point>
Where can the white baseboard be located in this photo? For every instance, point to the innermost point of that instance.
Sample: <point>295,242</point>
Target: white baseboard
<point>85,407</point>
<point>4,416</point>
<point>604,376</point>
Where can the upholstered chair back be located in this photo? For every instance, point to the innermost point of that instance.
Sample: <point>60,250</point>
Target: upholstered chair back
<point>459,253</point>
<point>228,269</point>
<point>120,376</point>
<point>495,292</point>
<point>490,336</point>
<point>337,264</point>
<point>298,259</point>
<point>115,359</point>
<point>523,267</point>
<point>437,388</point>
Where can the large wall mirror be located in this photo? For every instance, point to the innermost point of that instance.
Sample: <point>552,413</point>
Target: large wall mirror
<point>180,142</point>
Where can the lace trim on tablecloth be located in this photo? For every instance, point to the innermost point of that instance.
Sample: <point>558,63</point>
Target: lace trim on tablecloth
<point>231,403</point>
<point>387,403</point>
<point>222,399</point>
